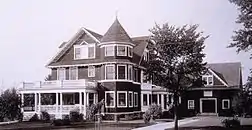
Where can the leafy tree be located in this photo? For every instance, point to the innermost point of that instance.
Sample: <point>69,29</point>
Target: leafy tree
<point>176,58</point>
<point>242,38</point>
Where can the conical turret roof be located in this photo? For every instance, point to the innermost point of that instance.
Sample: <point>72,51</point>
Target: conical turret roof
<point>116,33</point>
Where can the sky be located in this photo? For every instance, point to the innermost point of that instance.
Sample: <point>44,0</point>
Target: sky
<point>31,31</point>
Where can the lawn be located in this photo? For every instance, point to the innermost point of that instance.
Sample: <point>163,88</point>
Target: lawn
<point>214,128</point>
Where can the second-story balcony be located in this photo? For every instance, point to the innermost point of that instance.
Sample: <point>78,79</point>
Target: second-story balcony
<point>82,83</point>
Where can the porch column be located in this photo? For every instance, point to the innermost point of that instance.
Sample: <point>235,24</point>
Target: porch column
<point>162,101</point>
<point>87,99</point>
<point>61,103</point>
<point>36,102</point>
<point>85,102</point>
<point>148,99</point>
<point>80,101</point>
<point>57,103</point>
<point>39,103</point>
<point>158,99</point>
<point>22,102</point>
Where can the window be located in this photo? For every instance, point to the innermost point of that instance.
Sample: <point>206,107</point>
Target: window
<point>129,72</point>
<point>110,72</point>
<point>121,72</point>
<point>208,79</point>
<point>225,104</point>
<point>73,73</point>
<point>208,93</point>
<point>130,52</point>
<point>154,98</point>
<point>136,78</point>
<point>91,71</point>
<point>190,104</point>
<point>90,98</point>
<point>61,73</point>
<point>135,99</point>
<point>130,99</point>
<point>84,51</point>
<point>145,100</point>
<point>109,50</point>
<point>109,98</point>
<point>122,98</point>
<point>121,51</point>
<point>159,99</point>
<point>165,101</point>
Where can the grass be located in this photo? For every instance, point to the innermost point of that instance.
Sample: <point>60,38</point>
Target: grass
<point>214,128</point>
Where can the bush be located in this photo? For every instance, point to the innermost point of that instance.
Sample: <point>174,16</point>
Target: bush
<point>153,112</point>
<point>231,123</point>
<point>75,116</point>
<point>34,118</point>
<point>20,116</point>
<point>45,116</point>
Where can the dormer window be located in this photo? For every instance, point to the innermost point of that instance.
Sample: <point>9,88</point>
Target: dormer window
<point>121,50</point>
<point>84,51</point>
<point>207,79</point>
<point>109,50</point>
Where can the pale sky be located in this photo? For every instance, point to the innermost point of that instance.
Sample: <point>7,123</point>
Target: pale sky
<point>31,31</point>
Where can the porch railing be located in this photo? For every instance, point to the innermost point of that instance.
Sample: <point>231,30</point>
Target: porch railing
<point>58,84</point>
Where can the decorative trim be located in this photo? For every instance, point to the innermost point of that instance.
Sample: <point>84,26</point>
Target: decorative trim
<point>201,100</point>
<point>115,42</point>
<point>108,92</point>
<point>217,77</point>
<point>225,100</point>
<point>126,99</point>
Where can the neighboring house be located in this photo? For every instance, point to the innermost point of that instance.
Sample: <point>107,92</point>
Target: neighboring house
<point>222,82</point>
<point>91,67</point>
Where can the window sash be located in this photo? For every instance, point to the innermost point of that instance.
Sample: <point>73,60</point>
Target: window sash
<point>224,103</point>
<point>84,51</point>
<point>122,98</point>
<point>110,72</point>
<point>121,72</point>
<point>121,51</point>
<point>91,52</point>
<point>109,50</point>
<point>191,104</point>
<point>208,79</point>
<point>91,71</point>
<point>61,73</point>
<point>131,99</point>
<point>109,98</point>
<point>73,73</point>
<point>130,75</point>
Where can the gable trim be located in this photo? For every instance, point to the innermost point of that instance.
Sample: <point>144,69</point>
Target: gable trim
<point>89,34</point>
<point>215,75</point>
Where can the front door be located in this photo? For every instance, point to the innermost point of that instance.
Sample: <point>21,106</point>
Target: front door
<point>208,106</point>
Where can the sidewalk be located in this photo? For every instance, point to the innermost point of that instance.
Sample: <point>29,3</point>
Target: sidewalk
<point>167,125</point>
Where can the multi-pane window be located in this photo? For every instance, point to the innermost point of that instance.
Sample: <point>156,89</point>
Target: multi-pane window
<point>145,100</point>
<point>121,51</point>
<point>130,51</point>
<point>135,99</point>
<point>109,98</point>
<point>109,50</point>
<point>130,98</point>
<point>136,74</point>
<point>91,71</point>
<point>73,73</point>
<point>61,74</point>
<point>121,71</point>
<point>225,104</point>
<point>121,98</point>
<point>190,104</point>
<point>84,51</point>
<point>110,72</point>
<point>207,79</point>
<point>130,72</point>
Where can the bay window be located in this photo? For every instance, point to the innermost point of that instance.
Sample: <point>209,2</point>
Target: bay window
<point>122,98</point>
<point>110,72</point>
<point>109,99</point>
<point>73,73</point>
<point>121,50</point>
<point>121,72</point>
<point>109,50</point>
<point>61,74</point>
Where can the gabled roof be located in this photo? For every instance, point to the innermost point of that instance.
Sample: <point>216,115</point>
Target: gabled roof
<point>116,33</point>
<point>141,43</point>
<point>228,72</point>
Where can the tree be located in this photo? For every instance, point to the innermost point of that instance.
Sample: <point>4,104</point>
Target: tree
<point>242,38</point>
<point>176,58</point>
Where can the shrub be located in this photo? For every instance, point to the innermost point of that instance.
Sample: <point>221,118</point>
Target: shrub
<point>61,122</point>
<point>231,123</point>
<point>154,112</point>
<point>45,116</point>
<point>74,116</point>
<point>34,118</point>
<point>20,116</point>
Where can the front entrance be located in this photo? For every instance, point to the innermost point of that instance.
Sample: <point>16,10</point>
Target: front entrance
<point>208,105</point>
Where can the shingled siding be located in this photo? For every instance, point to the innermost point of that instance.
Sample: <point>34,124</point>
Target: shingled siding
<point>197,94</point>
<point>119,86</point>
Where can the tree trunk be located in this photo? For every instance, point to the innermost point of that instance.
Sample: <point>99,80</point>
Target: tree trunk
<point>175,110</point>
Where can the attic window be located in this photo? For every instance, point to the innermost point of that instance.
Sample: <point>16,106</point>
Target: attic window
<point>84,51</point>
<point>207,79</point>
